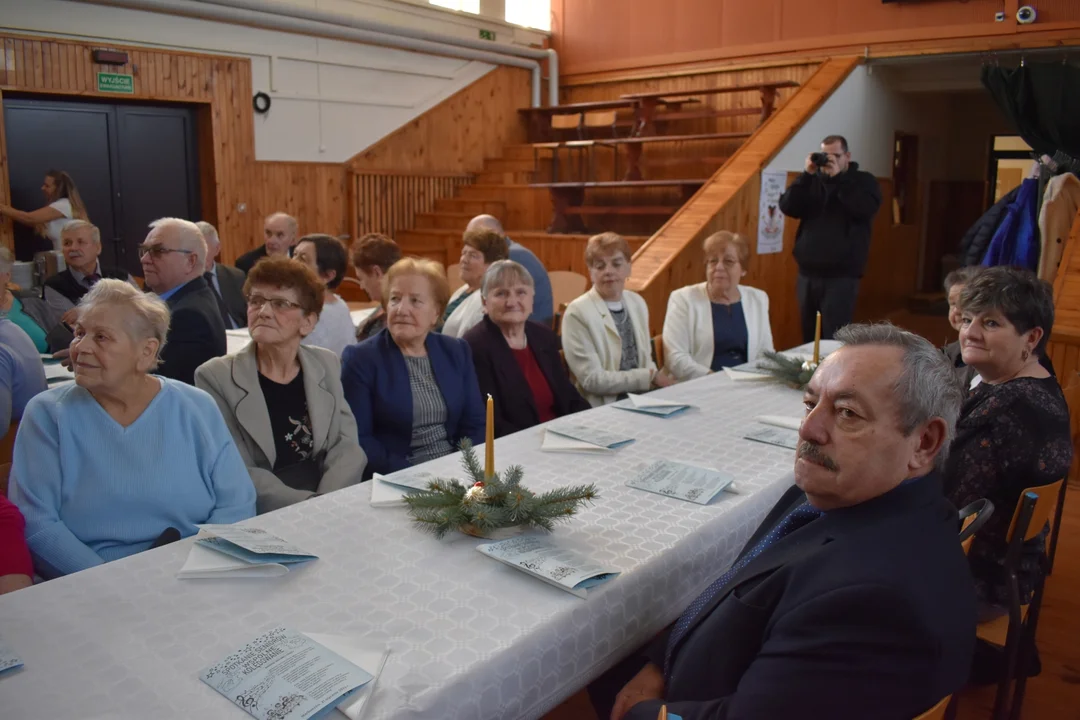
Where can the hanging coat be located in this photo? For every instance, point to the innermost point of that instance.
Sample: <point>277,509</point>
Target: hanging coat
<point>977,239</point>
<point>1060,203</point>
<point>1016,241</point>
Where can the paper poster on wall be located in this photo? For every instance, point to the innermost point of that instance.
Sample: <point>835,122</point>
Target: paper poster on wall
<point>770,236</point>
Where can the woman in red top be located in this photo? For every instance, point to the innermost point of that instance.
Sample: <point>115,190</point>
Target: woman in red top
<point>517,361</point>
<point>15,566</point>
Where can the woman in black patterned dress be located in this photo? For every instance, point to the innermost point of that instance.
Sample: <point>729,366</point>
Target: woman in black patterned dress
<point>1013,431</point>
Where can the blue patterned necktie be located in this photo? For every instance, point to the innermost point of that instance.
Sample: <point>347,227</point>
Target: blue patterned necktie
<point>797,518</point>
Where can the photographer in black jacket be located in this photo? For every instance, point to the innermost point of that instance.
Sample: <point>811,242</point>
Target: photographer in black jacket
<point>836,203</point>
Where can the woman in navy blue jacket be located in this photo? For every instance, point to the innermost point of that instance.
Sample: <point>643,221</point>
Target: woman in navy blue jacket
<point>414,392</point>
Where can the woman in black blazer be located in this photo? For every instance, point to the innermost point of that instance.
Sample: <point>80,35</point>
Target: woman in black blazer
<point>517,361</point>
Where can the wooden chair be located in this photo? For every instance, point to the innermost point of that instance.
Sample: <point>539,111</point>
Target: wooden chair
<point>938,711</point>
<point>453,276</point>
<point>350,289</point>
<point>1015,631</point>
<point>5,470</point>
<point>972,518</point>
<point>658,350</point>
<point>566,286</point>
<point>556,322</point>
<point>601,119</point>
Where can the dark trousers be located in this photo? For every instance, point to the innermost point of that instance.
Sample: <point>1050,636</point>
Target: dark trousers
<point>833,297</point>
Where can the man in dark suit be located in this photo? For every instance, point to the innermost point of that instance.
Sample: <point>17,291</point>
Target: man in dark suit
<point>173,258</point>
<point>81,245</point>
<point>281,232</point>
<point>853,598</point>
<point>227,283</point>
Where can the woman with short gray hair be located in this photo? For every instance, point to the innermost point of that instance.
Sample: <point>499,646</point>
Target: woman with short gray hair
<point>1013,431</point>
<point>517,360</point>
<point>122,459</point>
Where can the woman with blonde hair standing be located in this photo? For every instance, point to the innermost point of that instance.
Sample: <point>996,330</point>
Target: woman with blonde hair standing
<point>63,203</point>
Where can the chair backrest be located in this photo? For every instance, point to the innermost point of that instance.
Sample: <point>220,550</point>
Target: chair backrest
<point>972,518</point>
<point>600,118</point>
<point>559,318</point>
<point>5,470</point>
<point>566,286</point>
<point>938,711</point>
<point>350,289</point>
<point>658,350</point>
<point>1046,498</point>
<point>453,276</point>
<point>566,122</point>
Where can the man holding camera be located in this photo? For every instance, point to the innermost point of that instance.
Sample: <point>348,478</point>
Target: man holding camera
<point>836,203</point>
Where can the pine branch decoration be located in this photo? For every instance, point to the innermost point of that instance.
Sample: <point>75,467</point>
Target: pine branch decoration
<point>481,506</point>
<point>791,370</point>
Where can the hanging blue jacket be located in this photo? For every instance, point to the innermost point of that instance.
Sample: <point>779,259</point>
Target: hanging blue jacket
<point>1016,241</point>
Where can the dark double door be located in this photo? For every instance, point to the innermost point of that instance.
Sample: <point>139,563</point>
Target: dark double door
<point>131,163</point>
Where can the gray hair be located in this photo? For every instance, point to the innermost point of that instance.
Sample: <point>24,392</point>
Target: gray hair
<point>290,222</point>
<point>147,314</point>
<point>7,259</point>
<point>76,225</point>
<point>503,272</point>
<point>209,233</point>
<point>188,235</point>
<point>927,388</point>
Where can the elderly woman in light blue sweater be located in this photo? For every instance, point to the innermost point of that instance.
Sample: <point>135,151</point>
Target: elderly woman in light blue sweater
<point>103,467</point>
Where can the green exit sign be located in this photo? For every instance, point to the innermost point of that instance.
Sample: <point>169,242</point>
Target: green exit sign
<point>487,35</point>
<point>115,83</point>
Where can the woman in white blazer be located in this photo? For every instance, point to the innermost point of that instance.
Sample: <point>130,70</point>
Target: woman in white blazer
<point>605,332</point>
<point>718,323</point>
<point>479,249</point>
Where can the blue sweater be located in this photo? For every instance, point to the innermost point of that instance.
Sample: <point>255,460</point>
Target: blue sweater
<point>543,302</point>
<point>377,388</point>
<point>93,491</point>
<point>22,376</point>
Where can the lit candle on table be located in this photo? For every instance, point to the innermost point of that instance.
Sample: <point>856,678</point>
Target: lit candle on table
<point>489,441</point>
<point>817,340</point>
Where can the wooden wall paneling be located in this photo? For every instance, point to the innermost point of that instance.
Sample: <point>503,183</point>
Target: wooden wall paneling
<point>672,257</point>
<point>237,192</point>
<point>677,34</point>
<point>1064,346</point>
<point>459,133</point>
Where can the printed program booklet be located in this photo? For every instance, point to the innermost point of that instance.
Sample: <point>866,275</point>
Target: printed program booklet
<point>285,675</point>
<point>9,661</point>
<point>652,406</point>
<point>592,436</point>
<point>781,437</point>
<point>542,559</point>
<point>390,490</point>
<point>235,551</point>
<point>685,482</point>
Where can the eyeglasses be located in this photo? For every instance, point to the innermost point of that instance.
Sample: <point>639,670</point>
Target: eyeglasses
<point>156,251</point>
<point>279,305</point>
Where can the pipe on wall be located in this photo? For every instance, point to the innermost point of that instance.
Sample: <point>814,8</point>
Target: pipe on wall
<point>272,21</point>
<point>277,8</point>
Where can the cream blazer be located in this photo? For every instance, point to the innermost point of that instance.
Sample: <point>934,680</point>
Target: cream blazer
<point>468,313</point>
<point>233,382</point>
<point>688,329</point>
<point>593,348</point>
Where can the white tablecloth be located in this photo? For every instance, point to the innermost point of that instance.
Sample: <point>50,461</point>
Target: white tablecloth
<point>470,638</point>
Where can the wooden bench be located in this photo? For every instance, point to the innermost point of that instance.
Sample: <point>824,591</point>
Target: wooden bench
<point>568,200</point>
<point>539,119</point>
<point>633,147</point>
<point>647,104</point>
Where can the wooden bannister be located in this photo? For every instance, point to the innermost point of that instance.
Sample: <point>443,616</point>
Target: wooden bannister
<point>1064,346</point>
<point>672,258</point>
<point>388,203</point>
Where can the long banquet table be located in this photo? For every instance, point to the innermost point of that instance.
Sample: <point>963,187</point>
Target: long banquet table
<point>469,638</point>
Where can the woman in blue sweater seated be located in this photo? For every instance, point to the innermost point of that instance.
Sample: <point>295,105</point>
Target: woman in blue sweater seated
<point>414,392</point>
<point>104,466</point>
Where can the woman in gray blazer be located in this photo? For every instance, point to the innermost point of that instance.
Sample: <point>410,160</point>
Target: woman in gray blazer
<point>282,401</point>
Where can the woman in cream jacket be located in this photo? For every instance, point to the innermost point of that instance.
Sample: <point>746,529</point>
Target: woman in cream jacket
<point>605,332</point>
<point>717,323</point>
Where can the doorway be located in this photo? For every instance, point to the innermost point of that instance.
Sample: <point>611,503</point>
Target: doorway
<point>131,163</point>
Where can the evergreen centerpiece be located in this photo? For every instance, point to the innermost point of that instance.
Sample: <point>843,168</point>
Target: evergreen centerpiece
<point>794,371</point>
<point>488,501</point>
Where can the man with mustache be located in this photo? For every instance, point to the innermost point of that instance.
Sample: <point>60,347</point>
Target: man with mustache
<point>853,598</point>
